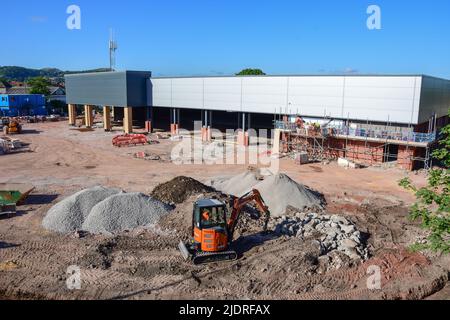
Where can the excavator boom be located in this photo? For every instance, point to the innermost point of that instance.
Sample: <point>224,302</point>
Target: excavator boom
<point>253,196</point>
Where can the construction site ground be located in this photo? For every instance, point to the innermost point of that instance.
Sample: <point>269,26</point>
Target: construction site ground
<point>146,264</point>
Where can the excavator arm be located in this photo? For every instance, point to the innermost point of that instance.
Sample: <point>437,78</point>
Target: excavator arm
<point>253,196</point>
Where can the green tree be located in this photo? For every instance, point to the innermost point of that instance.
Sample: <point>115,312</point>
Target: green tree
<point>251,72</point>
<point>432,207</point>
<point>39,85</point>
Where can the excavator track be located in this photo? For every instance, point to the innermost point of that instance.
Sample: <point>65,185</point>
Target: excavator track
<point>207,257</point>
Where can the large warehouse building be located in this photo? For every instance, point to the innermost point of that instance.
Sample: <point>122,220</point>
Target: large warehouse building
<point>369,119</point>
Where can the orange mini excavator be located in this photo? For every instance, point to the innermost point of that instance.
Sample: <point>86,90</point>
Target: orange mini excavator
<point>213,228</point>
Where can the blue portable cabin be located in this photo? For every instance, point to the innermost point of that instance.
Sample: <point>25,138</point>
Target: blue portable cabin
<point>14,105</point>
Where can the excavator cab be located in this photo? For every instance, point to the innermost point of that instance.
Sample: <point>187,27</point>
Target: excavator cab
<point>211,239</point>
<point>210,225</point>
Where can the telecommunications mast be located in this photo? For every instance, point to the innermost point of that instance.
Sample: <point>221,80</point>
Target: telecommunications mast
<point>112,50</point>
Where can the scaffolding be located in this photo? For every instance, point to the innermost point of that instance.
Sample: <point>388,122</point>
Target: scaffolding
<point>366,147</point>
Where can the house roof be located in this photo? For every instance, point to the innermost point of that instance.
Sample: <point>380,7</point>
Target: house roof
<point>58,91</point>
<point>4,84</point>
<point>18,90</point>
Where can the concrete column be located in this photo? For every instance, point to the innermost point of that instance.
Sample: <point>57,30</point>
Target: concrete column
<point>175,122</point>
<point>89,118</point>
<point>148,126</point>
<point>128,120</point>
<point>107,118</point>
<point>72,114</point>
<point>243,138</point>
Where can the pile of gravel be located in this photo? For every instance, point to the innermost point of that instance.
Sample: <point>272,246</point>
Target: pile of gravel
<point>333,232</point>
<point>124,212</point>
<point>69,214</point>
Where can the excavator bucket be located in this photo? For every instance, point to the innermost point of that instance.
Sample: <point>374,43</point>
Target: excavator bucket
<point>184,251</point>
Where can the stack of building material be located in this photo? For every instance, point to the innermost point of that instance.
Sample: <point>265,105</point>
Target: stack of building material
<point>128,140</point>
<point>8,145</point>
<point>301,158</point>
<point>345,163</point>
<point>4,146</point>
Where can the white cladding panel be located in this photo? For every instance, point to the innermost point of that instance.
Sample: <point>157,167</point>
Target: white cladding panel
<point>161,92</point>
<point>223,93</point>
<point>373,98</point>
<point>264,94</point>
<point>316,96</point>
<point>187,93</point>
<point>382,99</point>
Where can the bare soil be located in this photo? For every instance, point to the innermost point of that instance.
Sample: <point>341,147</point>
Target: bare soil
<point>146,264</point>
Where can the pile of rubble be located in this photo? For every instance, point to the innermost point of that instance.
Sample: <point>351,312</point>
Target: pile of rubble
<point>147,156</point>
<point>8,145</point>
<point>333,233</point>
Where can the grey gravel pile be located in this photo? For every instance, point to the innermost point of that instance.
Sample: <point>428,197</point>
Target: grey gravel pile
<point>124,212</point>
<point>333,232</point>
<point>69,214</point>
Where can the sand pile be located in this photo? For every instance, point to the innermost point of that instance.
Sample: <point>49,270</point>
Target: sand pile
<point>237,185</point>
<point>123,212</point>
<point>69,214</point>
<point>179,189</point>
<point>278,191</point>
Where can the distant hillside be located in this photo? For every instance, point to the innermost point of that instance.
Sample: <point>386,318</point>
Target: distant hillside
<point>13,73</point>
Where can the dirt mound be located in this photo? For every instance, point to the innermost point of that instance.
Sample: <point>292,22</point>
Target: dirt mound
<point>179,189</point>
<point>123,212</point>
<point>69,214</point>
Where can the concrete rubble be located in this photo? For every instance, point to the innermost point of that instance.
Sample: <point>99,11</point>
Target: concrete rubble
<point>334,233</point>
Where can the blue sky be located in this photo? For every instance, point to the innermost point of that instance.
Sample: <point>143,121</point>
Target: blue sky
<point>214,37</point>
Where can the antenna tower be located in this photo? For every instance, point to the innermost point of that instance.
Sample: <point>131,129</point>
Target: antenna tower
<point>112,50</point>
